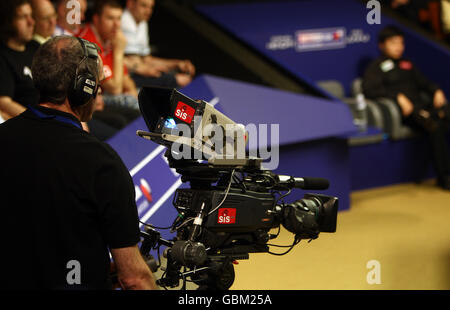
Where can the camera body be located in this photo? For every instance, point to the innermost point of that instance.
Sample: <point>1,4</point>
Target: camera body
<point>228,213</point>
<point>243,214</point>
<point>232,204</point>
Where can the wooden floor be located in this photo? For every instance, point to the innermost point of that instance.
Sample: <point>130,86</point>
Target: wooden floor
<point>406,228</point>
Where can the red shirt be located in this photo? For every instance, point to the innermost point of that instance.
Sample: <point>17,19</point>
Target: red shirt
<point>107,55</point>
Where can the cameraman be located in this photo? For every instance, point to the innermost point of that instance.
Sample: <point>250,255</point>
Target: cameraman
<point>66,197</point>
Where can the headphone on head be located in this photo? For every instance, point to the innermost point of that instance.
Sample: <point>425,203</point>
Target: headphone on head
<point>85,85</point>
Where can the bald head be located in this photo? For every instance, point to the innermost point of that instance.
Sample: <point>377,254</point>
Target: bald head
<point>44,15</point>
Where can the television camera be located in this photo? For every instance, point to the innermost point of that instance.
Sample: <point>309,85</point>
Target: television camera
<point>232,205</point>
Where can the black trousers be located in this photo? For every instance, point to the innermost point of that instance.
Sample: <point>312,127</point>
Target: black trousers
<point>436,128</point>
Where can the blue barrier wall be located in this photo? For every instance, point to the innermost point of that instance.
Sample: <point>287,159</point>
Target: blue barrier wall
<point>321,40</point>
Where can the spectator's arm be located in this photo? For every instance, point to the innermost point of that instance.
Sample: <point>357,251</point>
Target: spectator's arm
<point>9,108</point>
<point>119,221</point>
<point>184,66</point>
<point>114,85</point>
<point>132,271</point>
<point>405,104</point>
<point>137,64</point>
<point>133,62</point>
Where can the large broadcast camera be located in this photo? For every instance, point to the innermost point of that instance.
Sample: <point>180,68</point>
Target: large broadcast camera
<point>232,203</point>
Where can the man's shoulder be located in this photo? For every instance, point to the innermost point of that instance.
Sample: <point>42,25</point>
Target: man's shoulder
<point>10,124</point>
<point>68,137</point>
<point>13,130</point>
<point>91,145</point>
<point>100,156</point>
<point>103,152</point>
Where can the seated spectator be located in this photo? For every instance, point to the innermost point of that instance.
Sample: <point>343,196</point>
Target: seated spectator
<point>16,54</point>
<point>45,20</point>
<point>422,103</point>
<point>119,89</point>
<point>66,23</point>
<point>146,69</point>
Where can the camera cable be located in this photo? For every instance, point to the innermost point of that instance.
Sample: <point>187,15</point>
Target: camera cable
<point>296,241</point>
<point>226,194</point>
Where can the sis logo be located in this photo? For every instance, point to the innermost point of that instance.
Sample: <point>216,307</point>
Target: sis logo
<point>184,112</point>
<point>226,216</point>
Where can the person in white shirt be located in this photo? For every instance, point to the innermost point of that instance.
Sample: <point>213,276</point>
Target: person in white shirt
<point>146,69</point>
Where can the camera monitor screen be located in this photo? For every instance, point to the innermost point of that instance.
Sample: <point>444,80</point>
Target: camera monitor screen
<point>164,108</point>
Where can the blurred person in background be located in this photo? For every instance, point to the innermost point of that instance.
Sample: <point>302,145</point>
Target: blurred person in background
<point>120,92</point>
<point>146,69</point>
<point>422,103</point>
<point>16,55</point>
<point>44,15</point>
<point>104,124</point>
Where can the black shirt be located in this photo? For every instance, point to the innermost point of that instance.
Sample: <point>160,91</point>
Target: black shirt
<point>386,77</point>
<point>65,196</point>
<point>16,79</point>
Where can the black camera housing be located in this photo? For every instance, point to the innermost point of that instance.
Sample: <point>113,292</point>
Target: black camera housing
<point>231,206</point>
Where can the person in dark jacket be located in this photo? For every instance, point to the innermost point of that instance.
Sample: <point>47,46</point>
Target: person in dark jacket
<point>422,103</point>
